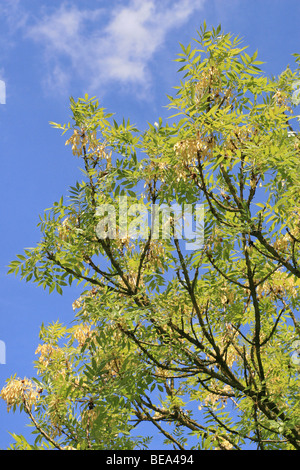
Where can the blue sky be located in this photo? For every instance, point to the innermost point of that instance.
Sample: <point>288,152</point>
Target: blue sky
<point>123,52</point>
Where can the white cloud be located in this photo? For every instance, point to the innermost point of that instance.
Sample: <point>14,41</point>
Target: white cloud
<point>14,15</point>
<point>61,32</point>
<point>104,45</point>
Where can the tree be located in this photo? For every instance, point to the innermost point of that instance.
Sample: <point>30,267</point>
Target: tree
<point>201,343</point>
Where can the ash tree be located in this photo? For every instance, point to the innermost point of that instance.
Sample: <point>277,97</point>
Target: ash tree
<point>200,344</point>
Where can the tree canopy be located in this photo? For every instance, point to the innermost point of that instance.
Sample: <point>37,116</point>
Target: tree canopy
<point>197,340</point>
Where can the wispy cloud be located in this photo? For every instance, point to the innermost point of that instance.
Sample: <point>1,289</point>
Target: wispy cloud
<point>13,13</point>
<point>114,44</point>
<point>13,18</point>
